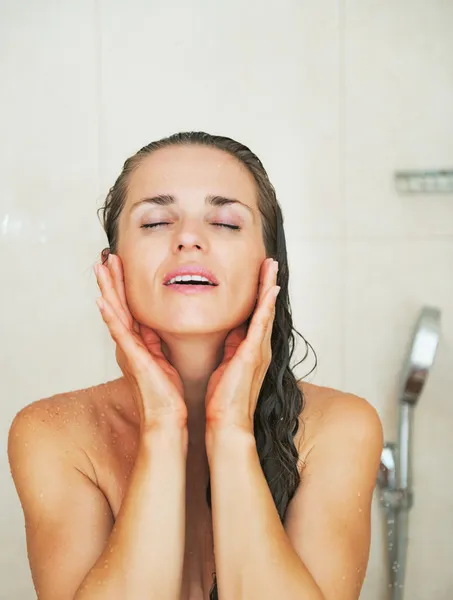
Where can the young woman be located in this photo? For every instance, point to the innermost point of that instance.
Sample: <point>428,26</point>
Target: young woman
<point>207,470</point>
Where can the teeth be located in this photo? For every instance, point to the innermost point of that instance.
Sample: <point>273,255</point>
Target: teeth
<point>188,278</point>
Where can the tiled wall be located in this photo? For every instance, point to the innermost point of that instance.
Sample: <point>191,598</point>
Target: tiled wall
<point>333,97</point>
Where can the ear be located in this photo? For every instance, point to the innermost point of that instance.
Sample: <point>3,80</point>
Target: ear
<point>104,254</point>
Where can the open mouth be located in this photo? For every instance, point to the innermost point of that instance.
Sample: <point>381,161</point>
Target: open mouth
<point>191,287</point>
<point>191,283</point>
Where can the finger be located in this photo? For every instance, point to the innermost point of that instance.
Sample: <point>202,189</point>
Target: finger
<point>262,278</point>
<point>152,339</point>
<point>105,282</point>
<point>266,347</point>
<point>136,354</point>
<point>116,269</point>
<point>233,340</point>
<point>259,325</point>
<point>268,277</point>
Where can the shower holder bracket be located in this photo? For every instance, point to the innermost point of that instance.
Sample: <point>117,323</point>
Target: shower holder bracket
<point>397,498</point>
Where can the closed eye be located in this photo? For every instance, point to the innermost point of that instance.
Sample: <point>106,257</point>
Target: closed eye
<point>154,225</point>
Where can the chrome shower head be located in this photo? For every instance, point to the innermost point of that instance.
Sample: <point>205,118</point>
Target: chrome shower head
<point>420,357</point>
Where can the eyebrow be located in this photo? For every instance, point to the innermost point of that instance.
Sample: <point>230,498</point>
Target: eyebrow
<point>168,199</point>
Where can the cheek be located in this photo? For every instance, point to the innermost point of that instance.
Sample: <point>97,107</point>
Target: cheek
<point>245,296</point>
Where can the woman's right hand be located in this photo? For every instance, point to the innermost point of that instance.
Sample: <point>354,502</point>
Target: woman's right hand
<point>156,386</point>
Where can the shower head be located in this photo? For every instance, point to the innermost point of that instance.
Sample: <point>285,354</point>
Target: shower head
<point>420,356</point>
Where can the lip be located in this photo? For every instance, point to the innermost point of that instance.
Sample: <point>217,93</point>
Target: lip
<point>191,269</point>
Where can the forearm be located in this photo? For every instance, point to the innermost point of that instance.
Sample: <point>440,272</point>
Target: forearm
<point>254,557</point>
<point>143,558</point>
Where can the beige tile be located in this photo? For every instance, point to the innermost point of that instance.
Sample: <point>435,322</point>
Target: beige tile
<point>49,317</point>
<point>316,300</point>
<point>49,154</point>
<point>398,114</point>
<point>267,77</point>
<point>387,283</point>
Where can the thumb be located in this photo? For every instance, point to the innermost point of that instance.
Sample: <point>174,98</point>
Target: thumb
<point>236,335</point>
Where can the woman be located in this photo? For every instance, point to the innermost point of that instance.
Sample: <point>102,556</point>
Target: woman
<point>207,446</point>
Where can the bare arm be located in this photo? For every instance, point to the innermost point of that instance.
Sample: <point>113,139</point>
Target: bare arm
<point>322,552</point>
<point>76,551</point>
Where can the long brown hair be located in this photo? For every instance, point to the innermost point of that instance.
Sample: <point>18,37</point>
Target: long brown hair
<point>281,401</point>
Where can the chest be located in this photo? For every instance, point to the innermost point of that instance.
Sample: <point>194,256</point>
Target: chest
<point>114,471</point>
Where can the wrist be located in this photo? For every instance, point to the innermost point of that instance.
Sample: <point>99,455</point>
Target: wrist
<point>229,439</point>
<point>170,435</point>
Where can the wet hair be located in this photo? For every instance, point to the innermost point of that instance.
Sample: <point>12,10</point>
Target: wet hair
<point>281,401</point>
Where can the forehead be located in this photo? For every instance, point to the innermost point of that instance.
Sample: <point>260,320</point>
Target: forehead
<point>192,170</point>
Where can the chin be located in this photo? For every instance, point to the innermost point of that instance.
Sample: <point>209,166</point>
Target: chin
<point>199,324</point>
<point>186,327</point>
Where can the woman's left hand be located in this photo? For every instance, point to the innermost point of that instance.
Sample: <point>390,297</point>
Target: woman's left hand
<point>234,387</point>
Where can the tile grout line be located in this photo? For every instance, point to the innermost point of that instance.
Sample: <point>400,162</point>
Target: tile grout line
<point>98,59</point>
<point>342,184</point>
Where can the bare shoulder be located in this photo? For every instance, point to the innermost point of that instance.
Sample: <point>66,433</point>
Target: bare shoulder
<point>66,420</point>
<point>330,414</point>
<point>79,424</point>
<point>93,430</point>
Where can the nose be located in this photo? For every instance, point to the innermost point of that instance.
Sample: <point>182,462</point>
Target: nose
<point>189,236</point>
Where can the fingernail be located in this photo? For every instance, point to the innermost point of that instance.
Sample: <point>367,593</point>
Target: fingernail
<point>100,303</point>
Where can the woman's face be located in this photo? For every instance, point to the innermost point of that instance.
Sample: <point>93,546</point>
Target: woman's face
<point>191,175</point>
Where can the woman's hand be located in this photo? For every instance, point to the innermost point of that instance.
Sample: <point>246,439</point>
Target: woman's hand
<point>155,384</point>
<point>234,387</point>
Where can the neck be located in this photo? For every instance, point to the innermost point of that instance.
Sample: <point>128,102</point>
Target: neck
<point>195,359</point>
